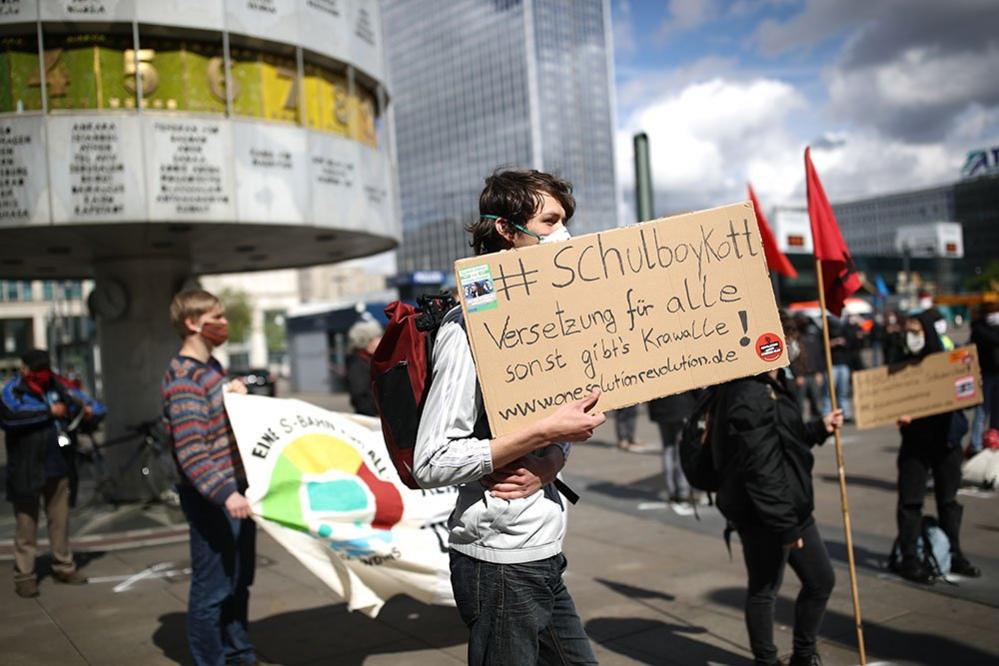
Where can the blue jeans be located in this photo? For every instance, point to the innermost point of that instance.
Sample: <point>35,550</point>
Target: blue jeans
<point>677,486</point>
<point>982,412</point>
<point>841,374</point>
<point>518,613</point>
<point>223,557</point>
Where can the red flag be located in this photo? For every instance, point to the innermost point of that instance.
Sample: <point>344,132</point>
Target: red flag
<point>776,260</point>
<point>828,244</point>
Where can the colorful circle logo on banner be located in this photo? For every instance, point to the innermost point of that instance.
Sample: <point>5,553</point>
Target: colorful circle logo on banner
<point>322,484</point>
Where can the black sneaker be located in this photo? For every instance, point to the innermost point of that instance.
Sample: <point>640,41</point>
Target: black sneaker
<point>960,565</point>
<point>916,571</point>
<point>811,660</point>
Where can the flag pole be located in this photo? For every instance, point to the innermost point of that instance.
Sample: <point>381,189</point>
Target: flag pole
<point>841,470</point>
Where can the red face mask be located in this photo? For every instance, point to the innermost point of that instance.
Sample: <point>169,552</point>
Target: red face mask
<point>215,334</point>
<point>38,380</point>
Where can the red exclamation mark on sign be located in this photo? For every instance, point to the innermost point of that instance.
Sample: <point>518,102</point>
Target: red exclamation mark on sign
<point>744,318</point>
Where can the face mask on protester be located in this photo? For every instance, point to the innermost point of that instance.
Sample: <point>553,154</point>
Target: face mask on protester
<point>915,342</point>
<point>793,350</point>
<point>39,379</point>
<point>215,334</point>
<point>941,326</point>
<point>925,303</point>
<point>992,318</point>
<point>560,234</point>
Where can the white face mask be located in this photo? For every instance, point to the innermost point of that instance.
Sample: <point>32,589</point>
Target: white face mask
<point>560,234</point>
<point>992,318</point>
<point>793,350</point>
<point>941,326</point>
<point>915,342</point>
<point>925,303</point>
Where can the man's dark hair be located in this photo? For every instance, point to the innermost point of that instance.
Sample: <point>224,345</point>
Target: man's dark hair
<point>515,196</point>
<point>36,359</point>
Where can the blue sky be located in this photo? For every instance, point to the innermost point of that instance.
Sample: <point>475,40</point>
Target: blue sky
<point>891,94</point>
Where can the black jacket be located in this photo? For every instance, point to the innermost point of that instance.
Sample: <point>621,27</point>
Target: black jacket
<point>359,384</point>
<point>986,338</point>
<point>30,432</point>
<point>928,431</point>
<point>766,472</point>
<point>673,408</point>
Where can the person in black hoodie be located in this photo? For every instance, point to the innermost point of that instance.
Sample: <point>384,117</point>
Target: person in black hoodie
<point>985,336</point>
<point>766,493</point>
<point>927,447</point>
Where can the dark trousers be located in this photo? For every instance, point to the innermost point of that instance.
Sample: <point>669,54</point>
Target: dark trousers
<point>915,463</point>
<point>765,558</point>
<point>223,557</point>
<point>518,613</point>
<point>624,423</point>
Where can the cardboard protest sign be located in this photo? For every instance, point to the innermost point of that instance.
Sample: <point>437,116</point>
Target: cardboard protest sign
<point>938,383</point>
<point>322,485</point>
<point>639,312</point>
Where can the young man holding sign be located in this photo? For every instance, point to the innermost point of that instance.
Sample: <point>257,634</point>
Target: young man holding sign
<point>507,527</point>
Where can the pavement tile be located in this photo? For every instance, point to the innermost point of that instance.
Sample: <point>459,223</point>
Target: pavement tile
<point>407,652</point>
<point>38,644</point>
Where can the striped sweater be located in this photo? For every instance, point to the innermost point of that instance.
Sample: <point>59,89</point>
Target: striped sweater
<point>203,444</point>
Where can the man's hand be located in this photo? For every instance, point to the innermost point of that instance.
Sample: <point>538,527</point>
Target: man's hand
<point>58,410</point>
<point>88,413</point>
<point>238,506</point>
<point>797,545</point>
<point>833,420</point>
<point>235,386</point>
<point>903,421</point>
<point>574,422</point>
<point>524,476</point>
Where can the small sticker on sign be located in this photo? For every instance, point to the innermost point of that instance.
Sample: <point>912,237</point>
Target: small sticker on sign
<point>965,387</point>
<point>961,356</point>
<point>478,288</point>
<point>769,347</point>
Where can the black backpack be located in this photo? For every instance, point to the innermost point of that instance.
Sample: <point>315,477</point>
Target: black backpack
<point>699,455</point>
<point>932,549</point>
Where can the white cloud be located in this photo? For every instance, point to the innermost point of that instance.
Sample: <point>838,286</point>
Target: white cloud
<point>912,89</point>
<point>707,138</point>
<point>689,14</point>
<point>919,94</point>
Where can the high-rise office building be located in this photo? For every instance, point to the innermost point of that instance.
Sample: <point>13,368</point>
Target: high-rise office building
<point>482,84</point>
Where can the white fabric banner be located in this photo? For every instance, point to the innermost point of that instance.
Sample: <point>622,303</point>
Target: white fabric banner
<point>322,484</point>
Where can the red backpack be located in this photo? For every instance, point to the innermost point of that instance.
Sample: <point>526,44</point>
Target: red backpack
<point>401,374</point>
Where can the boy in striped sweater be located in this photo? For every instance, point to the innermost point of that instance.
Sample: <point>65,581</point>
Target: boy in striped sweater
<point>223,535</point>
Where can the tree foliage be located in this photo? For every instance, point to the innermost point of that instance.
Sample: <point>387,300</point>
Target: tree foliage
<point>987,280</point>
<point>239,313</point>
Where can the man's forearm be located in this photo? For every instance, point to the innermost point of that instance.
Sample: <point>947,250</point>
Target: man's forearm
<point>509,447</point>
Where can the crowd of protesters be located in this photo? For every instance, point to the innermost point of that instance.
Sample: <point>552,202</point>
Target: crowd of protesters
<point>768,426</point>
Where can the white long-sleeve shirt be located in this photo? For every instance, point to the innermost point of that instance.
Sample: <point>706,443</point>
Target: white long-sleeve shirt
<point>453,448</point>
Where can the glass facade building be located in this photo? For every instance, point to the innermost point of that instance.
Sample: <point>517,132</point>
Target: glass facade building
<point>489,84</point>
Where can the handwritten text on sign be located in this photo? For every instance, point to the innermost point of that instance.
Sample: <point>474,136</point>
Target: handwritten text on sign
<point>936,384</point>
<point>638,312</point>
